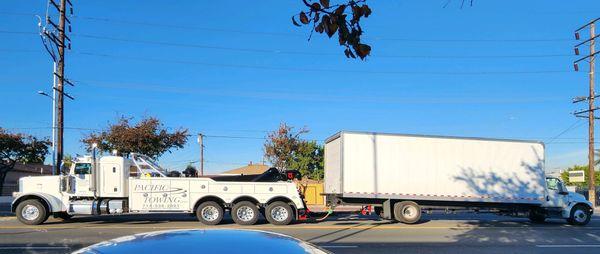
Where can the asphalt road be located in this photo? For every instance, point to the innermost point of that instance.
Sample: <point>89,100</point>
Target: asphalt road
<point>346,233</point>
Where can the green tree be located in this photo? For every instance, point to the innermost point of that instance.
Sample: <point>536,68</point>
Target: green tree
<point>148,137</point>
<point>22,148</point>
<point>190,171</point>
<point>308,159</point>
<point>565,176</point>
<point>285,149</point>
<point>282,144</point>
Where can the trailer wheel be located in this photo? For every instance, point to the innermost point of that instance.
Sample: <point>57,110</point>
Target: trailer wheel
<point>407,212</point>
<point>580,215</point>
<point>244,213</point>
<point>279,213</point>
<point>210,213</point>
<point>32,212</point>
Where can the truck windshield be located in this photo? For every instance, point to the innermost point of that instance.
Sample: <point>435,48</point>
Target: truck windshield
<point>552,183</point>
<point>83,168</point>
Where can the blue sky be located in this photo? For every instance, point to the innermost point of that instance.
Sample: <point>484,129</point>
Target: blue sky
<point>500,69</point>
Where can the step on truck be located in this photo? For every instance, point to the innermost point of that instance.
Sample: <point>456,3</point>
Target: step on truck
<point>400,177</point>
<point>113,185</point>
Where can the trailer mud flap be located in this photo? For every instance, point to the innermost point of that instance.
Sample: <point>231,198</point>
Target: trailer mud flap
<point>387,210</point>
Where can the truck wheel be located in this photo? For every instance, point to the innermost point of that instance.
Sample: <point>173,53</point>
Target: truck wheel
<point>279,213</point>
<point>244,213</point>
<point>209,213</point>
<point>32,212</point>
<point>536,216</point>
<point>580,215</point>
<point>407,212</point>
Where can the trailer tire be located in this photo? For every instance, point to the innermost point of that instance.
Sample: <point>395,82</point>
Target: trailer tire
<point>210,213</point>
<point>279,213</point>
<point>580,215</point>
<point>32,212</point>
<point>245,213</point>
<point>407,212</point>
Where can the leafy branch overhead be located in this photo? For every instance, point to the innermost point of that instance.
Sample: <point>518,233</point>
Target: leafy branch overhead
<point>148,137</point>
<point>343,19</point>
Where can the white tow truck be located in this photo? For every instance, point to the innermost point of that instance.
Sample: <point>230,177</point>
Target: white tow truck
<point>137,185</point>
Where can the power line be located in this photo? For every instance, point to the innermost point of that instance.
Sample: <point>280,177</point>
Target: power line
<point>571,127</point>
<point>550,141</point>
<point>285,52</point>
<point>279,51</point>
<point>300,69</point>
<point>223,30</point>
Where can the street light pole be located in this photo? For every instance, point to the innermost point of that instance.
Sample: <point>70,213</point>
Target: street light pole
<point>53,98</point>
<point>54,170</point>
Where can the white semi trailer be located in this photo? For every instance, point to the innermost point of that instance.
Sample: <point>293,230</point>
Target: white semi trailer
<point>136,184</point>
<point>401,176</point>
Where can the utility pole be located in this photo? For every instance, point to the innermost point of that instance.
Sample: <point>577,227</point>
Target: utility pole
<point>591,107</point>
<point>55,39</point>
<point>60,73</point>
<point>201,161</point>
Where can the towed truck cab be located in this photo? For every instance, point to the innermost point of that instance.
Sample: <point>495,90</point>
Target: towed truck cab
<point>563,203</point>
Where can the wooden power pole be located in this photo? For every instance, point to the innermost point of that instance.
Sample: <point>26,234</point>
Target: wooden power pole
<point>591,107</point>
<point>54,38</point>
<point>60,73</point>
<point>201,161</point>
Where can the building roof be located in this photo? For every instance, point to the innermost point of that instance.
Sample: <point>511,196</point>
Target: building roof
<point>250,169</point>
<point>33,168</point>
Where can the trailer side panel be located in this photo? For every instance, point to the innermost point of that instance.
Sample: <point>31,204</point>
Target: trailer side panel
<point>439,168</point>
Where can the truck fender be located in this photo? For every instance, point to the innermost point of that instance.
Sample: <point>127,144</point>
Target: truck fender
<point>297,202</point>
<point>53,204</point>
<point>566,212</point>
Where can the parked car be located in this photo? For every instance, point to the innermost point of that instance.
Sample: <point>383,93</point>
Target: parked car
<point>205,241</point>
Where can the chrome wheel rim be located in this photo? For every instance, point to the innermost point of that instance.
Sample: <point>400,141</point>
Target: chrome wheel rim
<point>245,213</point>
<point>409,212</point>
<point>210,213</point>
<point>279,213</point>
<point>580,216</point>
<point>30,212</point>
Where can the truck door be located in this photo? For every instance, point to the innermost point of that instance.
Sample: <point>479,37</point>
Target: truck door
<point>83,177</point>
<point>556,195</point>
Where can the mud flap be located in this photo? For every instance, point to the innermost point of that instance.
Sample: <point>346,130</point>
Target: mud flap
<point>387,210</point>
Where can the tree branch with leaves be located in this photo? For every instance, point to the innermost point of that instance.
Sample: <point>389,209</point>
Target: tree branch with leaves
<point>19,148</point>
<point>148,137</point>
<point>343,19</point>
<point>286,149</point>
